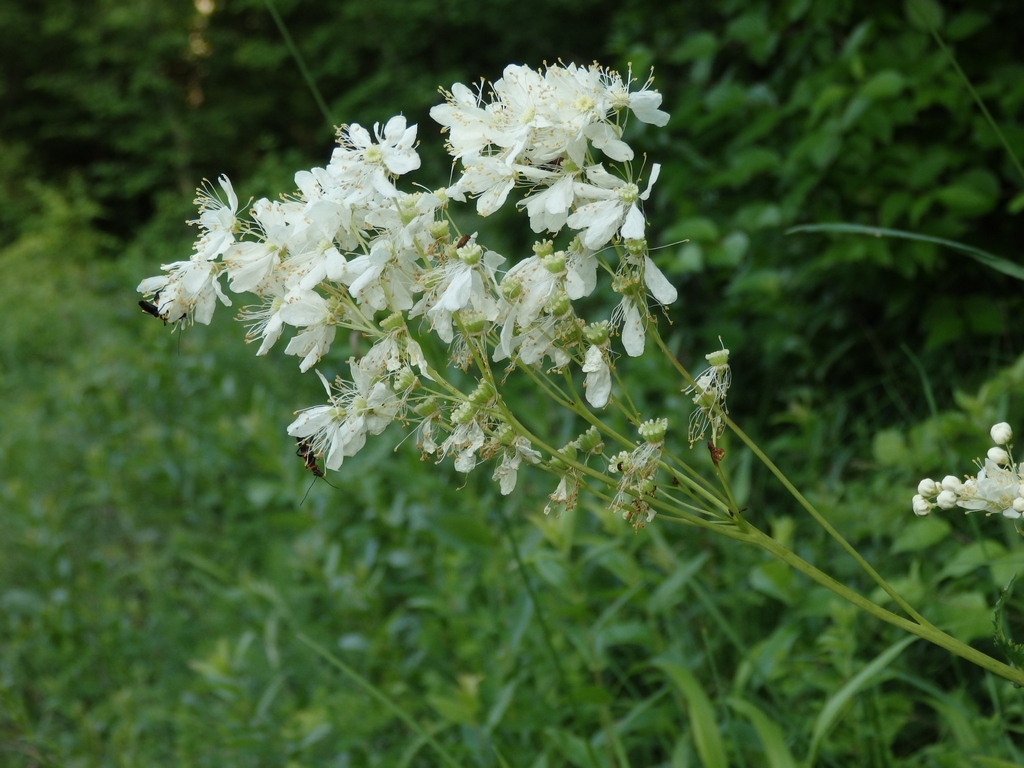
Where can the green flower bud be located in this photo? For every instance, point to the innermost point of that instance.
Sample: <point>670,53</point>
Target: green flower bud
<point>505,434</point>
<point>470,254</point>
<point>558,304</point>
<point>473,321</point>
<point>554,262</point>
<point>718,358</point>
<point>464,413</point>
<point>590,441</point>
<point>569,451</point>
<point>653,430</point>
<point>482,394</point>
<point>511,288</point>
<point>393,322</point>
<point>596,333</point>
<point>636,246</point>
<point>427,408</point>
<point>404,381</point>
<point>627,285</point>
<point>439,230</point>
<point>543,248</point>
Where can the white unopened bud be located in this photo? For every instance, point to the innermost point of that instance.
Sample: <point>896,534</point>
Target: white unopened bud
<point>1015,511</point>
<point>927,488</point>
<point>1001,433</point>
<point>1018,505</point>
<point>921,506</point>
<point>951,483</point>
<point>998,455</point>
<point>947,500</point>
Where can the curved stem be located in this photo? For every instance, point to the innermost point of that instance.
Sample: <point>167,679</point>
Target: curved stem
<point>875,576</point>
<point>925,631</point>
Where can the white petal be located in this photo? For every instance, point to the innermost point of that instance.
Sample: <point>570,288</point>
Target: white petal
<point>658,284</point>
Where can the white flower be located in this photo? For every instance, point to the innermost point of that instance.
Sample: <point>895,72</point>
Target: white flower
<point>615,209</point>
<point>921,505</point>
<point>506,472</point>
<point>217,219</point>
<point>310,310</point>
<point>998,455</point>
<point>338,430</point>
<point>188,293</point>
<point>598,383</point>
<point>709,390</point>
<point>1001,433</point>
<point>361,164</point>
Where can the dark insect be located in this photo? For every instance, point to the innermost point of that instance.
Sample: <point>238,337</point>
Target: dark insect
<point>150,309</point>
<point>305,452</point>
<point>462,241</point>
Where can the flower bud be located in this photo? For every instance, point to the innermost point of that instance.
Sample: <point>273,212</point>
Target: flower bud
<point>405,380</point>
<point>718,358</point>
<point>951,483</point>
<point>543,248</point>
<point>554,263</point>
<point>590,441</point>
<point>946,500</point>
<point>1001,433</point>
<point>393,322</point>
<point>568,451</point>
<point>635,246</point>
<point>427,408</point>
<point>927,488</point>
<point>470,254</point>
<point>439,230</point>
<point>921,506</point>
<point>653,430</point>
<point>473,321</point>
<point>464,413</point>
<point>998,455</point>
<point>511,288</point>
<point>596,333</point>
<point>558,304</point>
<point>482,394</point>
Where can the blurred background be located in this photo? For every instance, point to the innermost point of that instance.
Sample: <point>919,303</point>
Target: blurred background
<point>156,564</point>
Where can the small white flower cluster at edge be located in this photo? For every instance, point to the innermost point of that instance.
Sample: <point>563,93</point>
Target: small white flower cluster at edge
<point>998,487</point>
<point>350,249</point>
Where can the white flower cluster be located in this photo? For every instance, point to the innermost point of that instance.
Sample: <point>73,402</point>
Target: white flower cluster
<point>998,487</point>
<point>351,250</point>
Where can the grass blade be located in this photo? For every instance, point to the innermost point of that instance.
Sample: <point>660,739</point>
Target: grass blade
<point>701,714</point>
<point>997,263</point>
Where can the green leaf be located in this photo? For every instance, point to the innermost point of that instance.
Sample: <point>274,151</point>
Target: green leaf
<point>921,534</point>
<point>884,85</point>
<point>703,723</point>
<point>872,674</point>
<point>772,739</point>
<point>1013,651</point>
<point>924,14</point>
<point>989,260</point>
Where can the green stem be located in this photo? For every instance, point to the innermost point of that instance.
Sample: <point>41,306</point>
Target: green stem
<point>838,537</point>
<point>927,632</point>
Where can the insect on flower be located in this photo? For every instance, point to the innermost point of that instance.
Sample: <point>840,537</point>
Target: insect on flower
<point>305,452</point>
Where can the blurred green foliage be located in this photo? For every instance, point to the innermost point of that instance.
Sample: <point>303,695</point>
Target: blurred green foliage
<point>155,563</point>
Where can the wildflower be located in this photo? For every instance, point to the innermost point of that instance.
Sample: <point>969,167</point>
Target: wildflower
<point>709,390</point>
<point>638,468</point>
<point>998,488</point>
<point>338,430</point>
